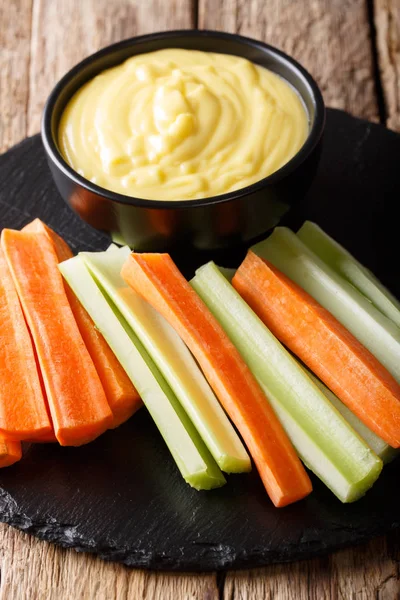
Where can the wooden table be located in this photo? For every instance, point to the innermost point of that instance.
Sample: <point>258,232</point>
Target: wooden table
<point>352,47</point>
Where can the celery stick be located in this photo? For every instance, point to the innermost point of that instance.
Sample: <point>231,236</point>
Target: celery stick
<point>375,331</point>
<point>194,461</point>
<point>174,360</point>
<point>377,444</point>
<point>341,261</point>
<point>324,440</point>
<point>112,248</point>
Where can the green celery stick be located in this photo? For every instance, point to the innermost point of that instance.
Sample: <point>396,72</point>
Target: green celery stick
<point>324,440</point>
<point>385,452</point>
<point>375,331</point>
<point>193,459</point>
<point>112,248</point>
<point>341,261</point>
<point>174,360</point>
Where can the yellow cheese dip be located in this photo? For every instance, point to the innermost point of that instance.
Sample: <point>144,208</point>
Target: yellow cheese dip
<point>182,124</point>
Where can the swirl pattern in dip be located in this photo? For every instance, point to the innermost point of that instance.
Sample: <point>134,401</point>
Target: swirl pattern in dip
<point>182,124</point>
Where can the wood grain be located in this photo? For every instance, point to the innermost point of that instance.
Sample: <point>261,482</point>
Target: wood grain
<point>64,32</point>
<point>35,570</point>
<point>330,37</point>
<point>369,572</point>
<point>39,41</point>
<point>15,34</point>
<point>387,24</point>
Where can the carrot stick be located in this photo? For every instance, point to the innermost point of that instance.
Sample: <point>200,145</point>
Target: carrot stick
<point>77,401</point>
<point>45,439</point>
<point>10,452</point>
<point>121,395</point>
<point>23,411</point>
<point>62,249</point>
<point>157,279</point>
<point>51,436</point>
<point>323,344</point>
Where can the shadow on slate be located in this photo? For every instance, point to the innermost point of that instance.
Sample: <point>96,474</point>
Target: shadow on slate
<point>122,496</point>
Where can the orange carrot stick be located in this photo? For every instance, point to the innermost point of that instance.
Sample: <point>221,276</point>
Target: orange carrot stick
<point>50,436</point>
<point>23,411</point>
<point>10,452</point>
<point>323,344</point>
<point>158,280</point>
<point>76,398</point>
<point>62,249</point>
<point>45,439</point>
<point>122,397</point>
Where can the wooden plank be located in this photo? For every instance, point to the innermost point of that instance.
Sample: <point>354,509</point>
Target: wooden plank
<point>36,570</point>
<point>368,572</point>
<point>387,24</point>
<point>64,32</point>
<point>15,33</point>
<point>39,571</point>
<point>329,37</point>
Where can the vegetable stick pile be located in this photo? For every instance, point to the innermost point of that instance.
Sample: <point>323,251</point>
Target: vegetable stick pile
<point>290,363</point>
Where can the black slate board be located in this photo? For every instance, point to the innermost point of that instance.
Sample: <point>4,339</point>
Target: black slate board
<point>122,496</point>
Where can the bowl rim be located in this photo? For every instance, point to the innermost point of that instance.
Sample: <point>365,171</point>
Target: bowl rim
<point>306,149</point>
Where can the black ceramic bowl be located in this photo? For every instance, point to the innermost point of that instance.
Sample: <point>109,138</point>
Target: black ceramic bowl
<point>229,220</point>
